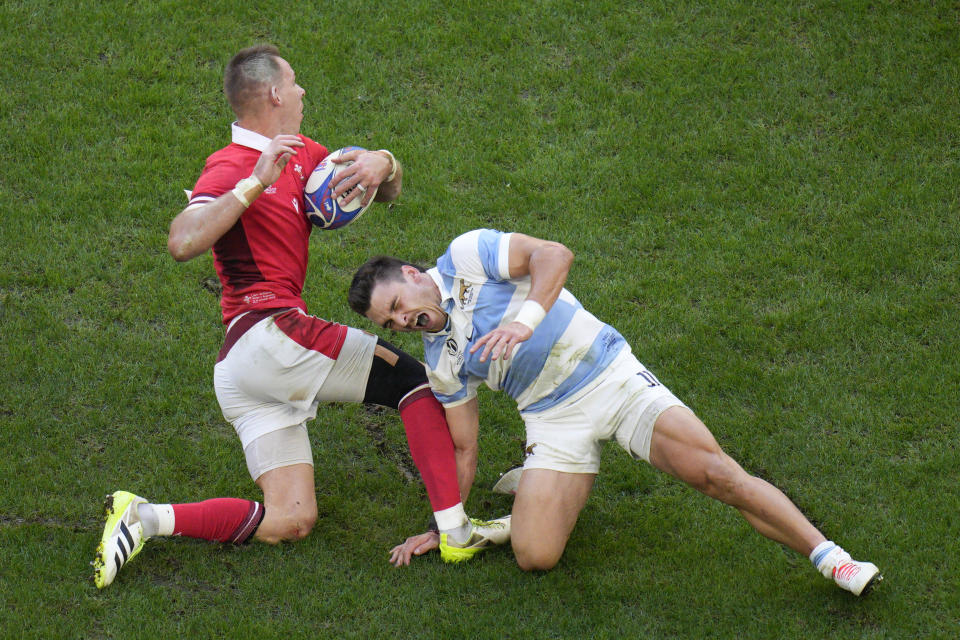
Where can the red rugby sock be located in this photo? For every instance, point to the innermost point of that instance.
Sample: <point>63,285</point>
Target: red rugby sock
<point>220,519</point>
<point>431,447</point>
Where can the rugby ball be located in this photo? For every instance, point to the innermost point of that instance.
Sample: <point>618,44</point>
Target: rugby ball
<point>321,209</point>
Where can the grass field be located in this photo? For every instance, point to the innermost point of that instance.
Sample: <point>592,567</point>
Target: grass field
<point>763,198</point>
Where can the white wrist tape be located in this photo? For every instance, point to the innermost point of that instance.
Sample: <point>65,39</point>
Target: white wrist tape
<point>531,314</point>
<point>393,165</point>
<point>247,190</point>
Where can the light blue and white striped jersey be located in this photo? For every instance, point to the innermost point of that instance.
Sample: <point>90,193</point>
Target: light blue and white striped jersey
<point>569,348</point>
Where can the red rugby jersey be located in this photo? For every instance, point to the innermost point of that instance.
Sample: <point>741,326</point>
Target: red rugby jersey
<point>262,260</point>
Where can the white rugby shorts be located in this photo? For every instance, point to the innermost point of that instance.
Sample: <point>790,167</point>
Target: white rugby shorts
<point>282,367</point>
<point>281,448</point>
<point>623,403</point>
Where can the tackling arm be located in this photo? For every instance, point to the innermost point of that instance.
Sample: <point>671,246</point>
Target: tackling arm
<point>547,264</point>
<point>464,423</point>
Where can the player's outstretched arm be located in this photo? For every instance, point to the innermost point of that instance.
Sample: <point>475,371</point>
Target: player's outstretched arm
<point>547,263</point>
<point>464,423</point>
<point>199,226</point>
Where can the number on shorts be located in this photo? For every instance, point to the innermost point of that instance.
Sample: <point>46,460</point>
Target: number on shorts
<point>649,377</point>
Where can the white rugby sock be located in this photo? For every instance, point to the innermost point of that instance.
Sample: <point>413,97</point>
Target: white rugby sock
<point>156,519</point>
<point>453,521</point>
<point>827,555</point>
<point>461,533</point>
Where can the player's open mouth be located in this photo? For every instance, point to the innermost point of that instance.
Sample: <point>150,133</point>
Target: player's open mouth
<point>422,320</point>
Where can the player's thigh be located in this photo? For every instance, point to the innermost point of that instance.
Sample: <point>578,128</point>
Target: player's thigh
<point>394,374</point>
<point>682,446</point>
<point>545,511</point>
<point>289,501</point>
<point>347,380</point>
<point>281,447</point>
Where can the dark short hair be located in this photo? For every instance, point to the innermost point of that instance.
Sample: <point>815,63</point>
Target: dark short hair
<point>373,271</point>
<point>247,72</point>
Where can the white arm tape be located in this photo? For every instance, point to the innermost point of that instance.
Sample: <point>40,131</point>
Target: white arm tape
<point>248,189</point>
<point>531,314</point>
<point>393,165</point>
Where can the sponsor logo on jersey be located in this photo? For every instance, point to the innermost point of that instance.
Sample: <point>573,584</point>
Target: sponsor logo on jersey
<point>453,350</point>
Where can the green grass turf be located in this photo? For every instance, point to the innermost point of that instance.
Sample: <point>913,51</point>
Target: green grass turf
<point>762,197</point>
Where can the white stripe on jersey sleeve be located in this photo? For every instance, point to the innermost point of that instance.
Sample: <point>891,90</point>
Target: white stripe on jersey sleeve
<point>199,201</point>
<point>465,257</point>
<point>503,259</point>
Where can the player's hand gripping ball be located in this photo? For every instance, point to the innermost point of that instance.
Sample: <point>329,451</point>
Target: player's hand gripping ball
<point>322,210</point>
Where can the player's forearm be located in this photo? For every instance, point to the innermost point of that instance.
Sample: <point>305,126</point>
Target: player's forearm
<point>549,266</point>
<point>196,229</point>
<point>466,470</point>
<point>546,263</point>
<point>464,424</point>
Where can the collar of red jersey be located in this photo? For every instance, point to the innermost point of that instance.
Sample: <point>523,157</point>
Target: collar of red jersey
<point>249,138</point>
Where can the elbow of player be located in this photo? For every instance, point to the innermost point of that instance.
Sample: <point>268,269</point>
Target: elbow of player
<point>562,253</point>
<point>179,248</point>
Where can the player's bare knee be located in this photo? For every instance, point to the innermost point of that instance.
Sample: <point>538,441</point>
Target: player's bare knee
<point>304,522</point>
<point>267,536</point>
<point>536,563</point>
<point>300,529</point>
<point>722,478</point>
<point>531,559</point>
<point>288,526</point>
